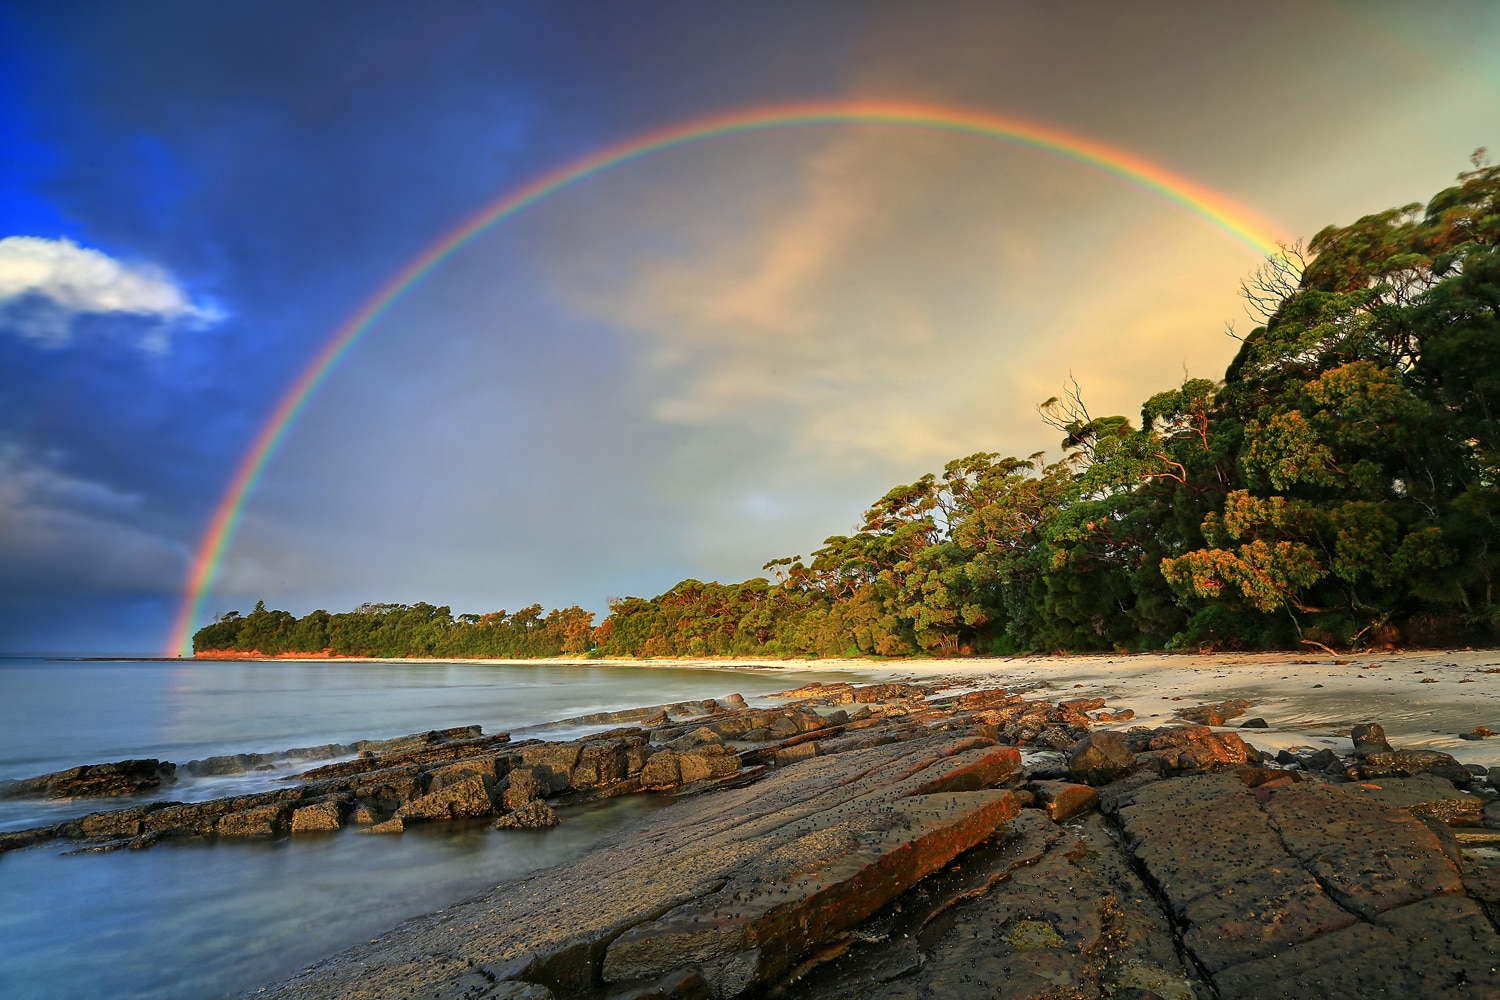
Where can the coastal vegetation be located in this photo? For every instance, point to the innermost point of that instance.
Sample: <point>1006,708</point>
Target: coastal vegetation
<point>1339,486</point>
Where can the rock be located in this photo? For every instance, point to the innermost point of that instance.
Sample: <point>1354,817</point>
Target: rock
<point>1044,912</point>
<point>600,763</point>
<point>1265,879</point>
<point>363,815</point>
<point>852,823</point>
<point>521,787</point>
<point>1214,715</point>
<point>1401,953</point>
<point>1422,795</point>
<point>1369,738</point>
<point>515,991</point>
<point>662,770</point>
<point>790,755</point>
<point>319,817</point>
<point>1405,763</point>
<point>1323,760</point>
<point>1174,749</point>
<point>702,764</point>
<point>260,821</point>
<point>467,798</point>
<point>534,815</point>
<point>1255,723</point>
<point>122,777</point>
<point>842,870</point>
<point>1102,757</point>
<point>393,825</point>
<point>992,698</point>
<point>871,693</point>
<point>552,763</point>
<point>1064,800</point>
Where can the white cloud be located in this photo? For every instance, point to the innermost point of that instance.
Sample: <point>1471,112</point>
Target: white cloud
<point>45,284</point>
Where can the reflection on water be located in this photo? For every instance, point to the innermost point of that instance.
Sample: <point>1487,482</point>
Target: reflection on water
<point>207,920</point>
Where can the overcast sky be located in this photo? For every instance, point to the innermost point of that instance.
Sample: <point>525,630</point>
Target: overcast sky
<point>682,367</point>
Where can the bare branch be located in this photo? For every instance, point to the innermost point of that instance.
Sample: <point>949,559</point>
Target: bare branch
<point>1274,281</point>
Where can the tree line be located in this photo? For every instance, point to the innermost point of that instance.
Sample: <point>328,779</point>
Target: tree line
<point>1338,486</point>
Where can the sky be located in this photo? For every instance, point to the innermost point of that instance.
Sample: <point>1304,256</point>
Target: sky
<point>683,366</point>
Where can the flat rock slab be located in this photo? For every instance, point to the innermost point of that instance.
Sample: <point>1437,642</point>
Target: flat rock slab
<point>1047,913</point>
<point>745,880</point>
<point>1307,889</point>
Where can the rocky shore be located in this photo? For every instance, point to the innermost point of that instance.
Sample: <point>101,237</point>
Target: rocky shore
<point>898,840</point>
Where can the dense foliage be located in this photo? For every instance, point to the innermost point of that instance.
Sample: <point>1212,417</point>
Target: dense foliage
<point>1338,486</point>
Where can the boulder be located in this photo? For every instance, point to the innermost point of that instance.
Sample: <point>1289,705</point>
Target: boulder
<point>1369,738</point>
<point>1101,758</point>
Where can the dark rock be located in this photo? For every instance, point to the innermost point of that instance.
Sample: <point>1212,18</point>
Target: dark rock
<point>1101,758</point>
<point>1322,760</point>
<point>1369,738</point>
<point>1256,723</point>
<point>1405,763</point>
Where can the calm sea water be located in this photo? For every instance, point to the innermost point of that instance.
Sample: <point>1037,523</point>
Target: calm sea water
<point>210,920</point>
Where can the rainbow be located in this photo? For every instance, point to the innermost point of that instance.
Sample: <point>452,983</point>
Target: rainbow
<point>1214,209</point>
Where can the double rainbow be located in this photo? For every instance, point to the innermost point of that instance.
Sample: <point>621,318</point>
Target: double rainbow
<point>1219,212</point>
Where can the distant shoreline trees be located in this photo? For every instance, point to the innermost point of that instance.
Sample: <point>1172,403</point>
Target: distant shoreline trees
<point>1340,486</point>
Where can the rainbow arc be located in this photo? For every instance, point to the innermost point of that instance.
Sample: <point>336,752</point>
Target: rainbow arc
<point>1231,219</point>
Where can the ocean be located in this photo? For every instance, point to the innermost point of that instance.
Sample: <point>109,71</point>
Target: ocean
<point>218,919</point>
